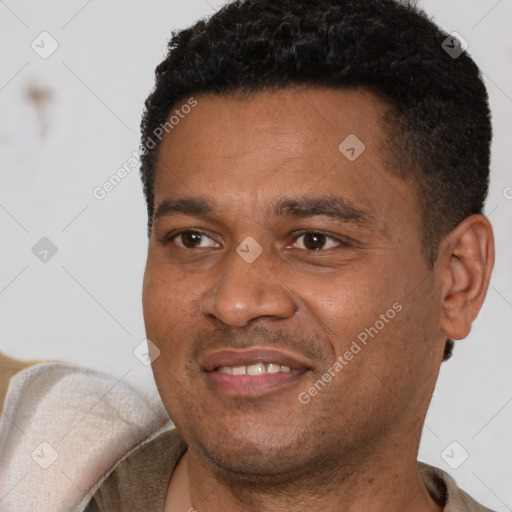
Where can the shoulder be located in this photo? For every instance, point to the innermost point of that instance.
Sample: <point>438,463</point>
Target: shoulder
<point>62,422</point>
<point>443,488</point>
<point>140,481</point>
<point>8,368</point>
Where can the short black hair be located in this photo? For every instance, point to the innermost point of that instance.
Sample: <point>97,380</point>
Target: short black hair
<point>438,128</point>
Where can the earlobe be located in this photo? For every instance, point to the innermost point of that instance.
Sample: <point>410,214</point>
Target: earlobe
<point>467,259</point>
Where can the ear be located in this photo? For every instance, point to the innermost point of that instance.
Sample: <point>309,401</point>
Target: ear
<point>466,259</point>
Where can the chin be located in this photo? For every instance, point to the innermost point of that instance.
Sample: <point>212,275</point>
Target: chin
<point>251,462</point>
<point>249,453</point>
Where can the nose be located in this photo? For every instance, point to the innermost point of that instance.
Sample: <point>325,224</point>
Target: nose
<point>247,291</point>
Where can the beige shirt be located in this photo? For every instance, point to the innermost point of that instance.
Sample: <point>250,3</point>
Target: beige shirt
<point>140,481</point>
<point>8,368</point>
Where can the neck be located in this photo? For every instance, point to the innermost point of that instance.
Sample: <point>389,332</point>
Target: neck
<point>377,483</point>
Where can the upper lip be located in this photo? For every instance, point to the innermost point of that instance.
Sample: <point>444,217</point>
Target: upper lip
<point>232,357</point>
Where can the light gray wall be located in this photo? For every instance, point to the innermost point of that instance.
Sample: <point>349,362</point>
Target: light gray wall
<point>83,305</point>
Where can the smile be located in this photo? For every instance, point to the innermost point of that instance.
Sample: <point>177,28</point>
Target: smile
<point>252,372</point>
<point>255,369</point>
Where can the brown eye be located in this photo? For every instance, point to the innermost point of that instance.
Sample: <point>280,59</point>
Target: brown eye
<point>189,239</point>
<point>314,241</point>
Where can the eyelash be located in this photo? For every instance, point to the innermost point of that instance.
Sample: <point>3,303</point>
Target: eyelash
<point>168,239</point>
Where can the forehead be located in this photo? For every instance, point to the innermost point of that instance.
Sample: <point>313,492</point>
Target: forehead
<point>304,122</point>
<point>305,141</point>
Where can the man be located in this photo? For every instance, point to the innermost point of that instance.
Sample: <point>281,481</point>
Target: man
<point>315,173</point>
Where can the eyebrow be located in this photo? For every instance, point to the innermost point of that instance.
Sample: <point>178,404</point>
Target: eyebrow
<point>334,207</point>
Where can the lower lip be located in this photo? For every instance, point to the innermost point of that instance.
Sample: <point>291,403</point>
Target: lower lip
<point>252,385</point>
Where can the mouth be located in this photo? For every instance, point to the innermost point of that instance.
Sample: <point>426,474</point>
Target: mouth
<point>252,372</point>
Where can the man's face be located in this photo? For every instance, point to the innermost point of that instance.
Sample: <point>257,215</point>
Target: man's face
<point>259,289</point>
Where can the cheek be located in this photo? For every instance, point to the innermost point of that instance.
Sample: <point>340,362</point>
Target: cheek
<point>403,356</point>
<point>167,298</point>
<point>165,318</point>
<point>351,300</point>
<point>166,310</point>
<point>385,306</point>
<point>155,302</point>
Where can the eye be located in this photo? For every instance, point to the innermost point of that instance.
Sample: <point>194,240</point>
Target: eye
<point>189,239</point>
<point>315,240</point>
<point>312,240</point>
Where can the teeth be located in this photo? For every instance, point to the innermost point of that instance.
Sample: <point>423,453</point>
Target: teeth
<point>239,370</point>
<point>254,369</point>
<point>273,368</point>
